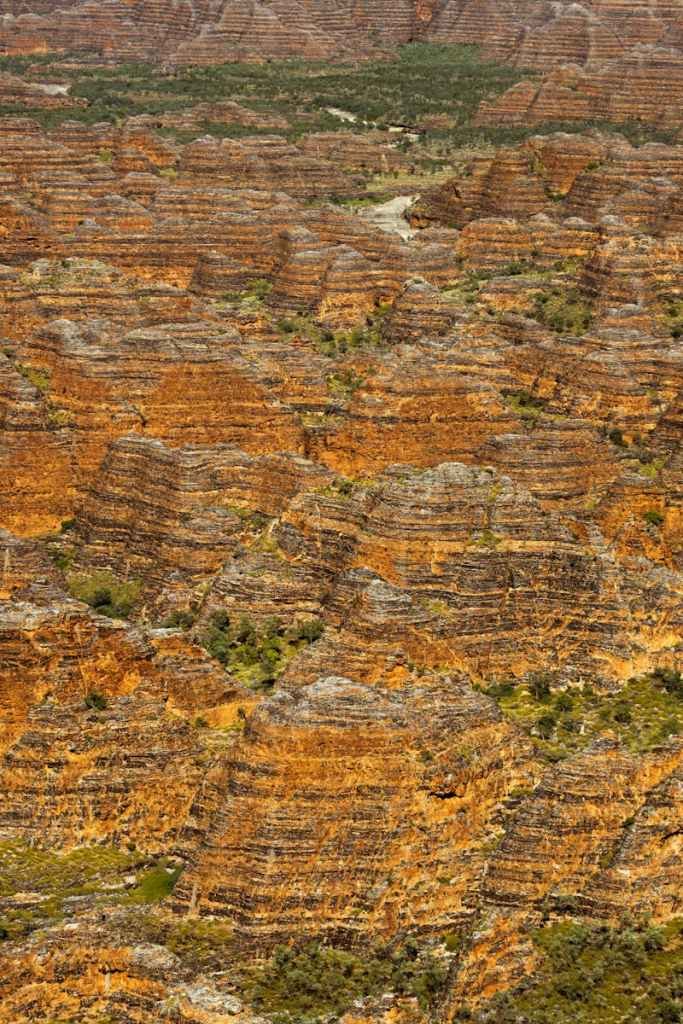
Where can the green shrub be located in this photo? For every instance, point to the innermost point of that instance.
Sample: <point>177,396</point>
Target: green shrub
<point>310,630</point>
<point>62,557</point>
<point>179,619</point>
<point>516,268</point>
<point>525,404</point>
<point>617,438</point>
<point>539,685</point>
<point>370,335</point>
<point>344,383</point>
<point>95,700</point>
<point>653,516</point>
<point>670,679</point>
<point>257,654</point>
<point>259,289</point>
<point>621,713</point>
<point>453,942</point>
<point>105,592</point>
<point>499,690</point>
<point>545,726</point>
<point>316,981</point>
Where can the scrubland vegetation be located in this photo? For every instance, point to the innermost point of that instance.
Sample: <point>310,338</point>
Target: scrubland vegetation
<point>436,88</point>
<point>61,882</point>
<point>643,713</point>
<point>257,654</point>
<point>631,973</point>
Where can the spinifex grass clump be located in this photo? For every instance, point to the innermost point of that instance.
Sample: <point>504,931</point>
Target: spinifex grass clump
<point>257,654</point>
<point>202,944</point>
<point>155,884</point>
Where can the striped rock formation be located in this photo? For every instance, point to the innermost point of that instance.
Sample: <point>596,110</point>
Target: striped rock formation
<point>410,761</point>
<point>407,472</point>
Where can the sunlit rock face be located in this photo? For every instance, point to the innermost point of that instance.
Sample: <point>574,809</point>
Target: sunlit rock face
<point>340,504</point>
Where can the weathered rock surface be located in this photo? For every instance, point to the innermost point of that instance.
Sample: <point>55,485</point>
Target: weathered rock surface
<point>397,471</point>
<point>398,787</point>
<point>532,34</point>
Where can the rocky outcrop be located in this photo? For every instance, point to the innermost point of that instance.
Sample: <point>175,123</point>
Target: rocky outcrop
<point>491,574</point>
<point>644,84</point>
<point>195,500</point>
<point>35,455</point>
<point>127,766</point>
<point>562,176</point>
<point>401,771</point>
<point>380,487</point>
<point>171,367</point>
<point>266,162</point>
<point>604,787</point>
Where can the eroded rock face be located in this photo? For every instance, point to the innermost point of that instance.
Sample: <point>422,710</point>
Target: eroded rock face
<point>124,767</point>
<point>532,34</point>
<point>479,554</point>
<point>644,83</point>
<point>190,521</point>
<point>392,778</point>
<point>359,485</point>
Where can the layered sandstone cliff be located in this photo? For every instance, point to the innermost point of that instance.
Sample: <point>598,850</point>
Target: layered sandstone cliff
<point>340,567</point>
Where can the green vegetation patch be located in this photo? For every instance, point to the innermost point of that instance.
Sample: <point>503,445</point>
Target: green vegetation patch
<point>155,884</point>
<point>105,592</point>
<point>563,310</point>
<point>338,343</point>
<point>643,713</point>
<point>203,944</point>
<point>251,298</point>
<point>422,80</point>
<point>525,404</point>
<point>38,376</point>
<point>38,885</point>
<point>344,383</point>
<point>653,516</point>
<point>317,981</point>
<point>258,654</point>
<point>466,291</point>
<point>595,974</point>
<point>52,878</point>
<point>180,618</point>
<point>96,701</point>
<point>673,316</point>
<point>25,868</point>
